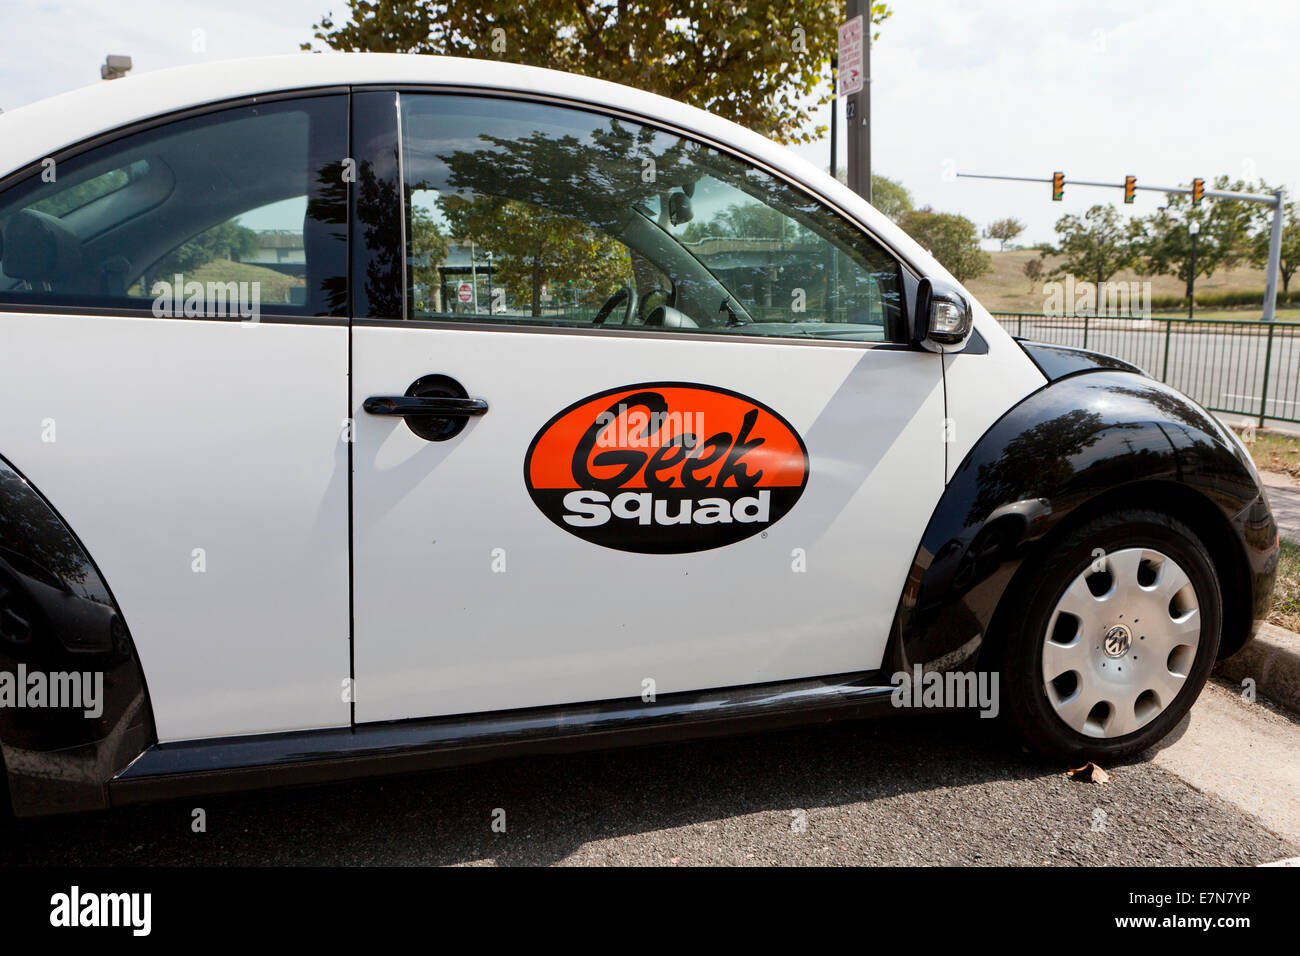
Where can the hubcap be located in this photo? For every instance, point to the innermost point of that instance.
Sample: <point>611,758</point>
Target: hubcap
<point>1120,642</point>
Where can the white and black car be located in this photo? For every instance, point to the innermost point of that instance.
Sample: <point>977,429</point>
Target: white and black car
<point>367,413</point>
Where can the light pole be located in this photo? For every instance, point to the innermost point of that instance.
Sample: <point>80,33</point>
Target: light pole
<point>489,280</point>
<point>1194,228</point>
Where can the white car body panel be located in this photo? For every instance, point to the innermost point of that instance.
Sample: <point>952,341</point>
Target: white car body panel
<point>983,388</point>
<point>172,435</point>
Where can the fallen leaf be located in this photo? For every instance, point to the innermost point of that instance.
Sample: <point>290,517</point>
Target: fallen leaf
<point>1089,773</point>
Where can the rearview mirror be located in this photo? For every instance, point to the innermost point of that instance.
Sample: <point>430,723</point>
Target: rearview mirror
<point>942,319</point>
<point>680,210</point>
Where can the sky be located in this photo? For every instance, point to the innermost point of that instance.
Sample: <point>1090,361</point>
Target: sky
<point>1165,90</point>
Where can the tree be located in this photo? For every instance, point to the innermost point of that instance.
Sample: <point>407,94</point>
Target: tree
<point>1033,270</point>
<point>890,197</point>
<point>428,250</point>
<point>951,239</point>
<point>1004,230</point>
<point>533,247</point>
<point>689,51</point>
<point>1095,245</point>
<point>548,207</point>
<point>1223,240</point>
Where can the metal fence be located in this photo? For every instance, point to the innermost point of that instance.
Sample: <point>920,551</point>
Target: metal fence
<point>1238,366</point>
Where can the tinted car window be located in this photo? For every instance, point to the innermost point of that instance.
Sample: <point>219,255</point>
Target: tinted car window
<point>526,213</point>
<point>251,201</point>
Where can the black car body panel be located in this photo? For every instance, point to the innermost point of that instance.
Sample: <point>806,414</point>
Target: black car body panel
<point>59,619</point>
<point>1058,361</point>
<point>1089,441</point>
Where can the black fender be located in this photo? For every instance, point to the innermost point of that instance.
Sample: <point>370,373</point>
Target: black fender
<point>1082,444</point>
<point>59,620</point>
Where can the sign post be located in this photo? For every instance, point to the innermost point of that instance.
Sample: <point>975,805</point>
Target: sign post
<point>854,83</point>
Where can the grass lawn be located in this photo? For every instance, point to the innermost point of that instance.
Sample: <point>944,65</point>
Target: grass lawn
<point>1006,288</point>
<point>1286,593</point>
<point>1274,451</point>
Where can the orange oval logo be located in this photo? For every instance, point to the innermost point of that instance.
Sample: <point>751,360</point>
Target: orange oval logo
<point>666,468</point>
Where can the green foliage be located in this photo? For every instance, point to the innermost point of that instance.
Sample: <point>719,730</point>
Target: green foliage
<point>1095,245</point>
<point>890,197</point>
<point>1033,270</point>
<point>951,239</point>
<point>428,250</point>
<point>1004,230</point>
<point>1225,236</point>
<point>534,247</point>
<point>758,63</point>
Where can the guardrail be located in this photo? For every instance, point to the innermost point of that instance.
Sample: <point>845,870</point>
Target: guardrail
<point>1237,366</point>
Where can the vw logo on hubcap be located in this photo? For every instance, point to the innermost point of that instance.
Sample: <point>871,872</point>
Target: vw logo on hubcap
<point>1117,641</point>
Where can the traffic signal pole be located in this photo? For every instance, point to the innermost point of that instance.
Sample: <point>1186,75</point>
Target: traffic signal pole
<point>1275,200</point>
<point>1274,256</point>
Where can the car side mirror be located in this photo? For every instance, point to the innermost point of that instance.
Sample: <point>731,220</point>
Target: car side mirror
<point>942,320</point>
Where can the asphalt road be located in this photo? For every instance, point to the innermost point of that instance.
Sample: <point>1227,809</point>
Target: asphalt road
<point>906,790</point>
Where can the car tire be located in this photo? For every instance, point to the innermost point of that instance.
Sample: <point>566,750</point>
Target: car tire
<point>1095,607</point>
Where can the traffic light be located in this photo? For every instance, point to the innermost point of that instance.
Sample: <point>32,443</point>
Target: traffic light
<point>1058,187</point>
<point>1198,191</point>
<point>1130,188</point>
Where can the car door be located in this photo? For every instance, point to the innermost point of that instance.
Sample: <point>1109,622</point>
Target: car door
<point>173,379</point>
<point>631,415</point>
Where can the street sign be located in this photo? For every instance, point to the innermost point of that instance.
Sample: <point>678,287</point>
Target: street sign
<point>850,61</point>
<point>464,292</point>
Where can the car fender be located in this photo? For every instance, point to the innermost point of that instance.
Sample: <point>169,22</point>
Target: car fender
<point>60,623</point>
<point>1084,442</point>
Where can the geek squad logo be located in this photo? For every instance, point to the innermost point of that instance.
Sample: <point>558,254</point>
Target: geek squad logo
<point>666,468</point>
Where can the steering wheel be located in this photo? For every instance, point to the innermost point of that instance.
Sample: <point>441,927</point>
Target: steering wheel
<point>627,293</point>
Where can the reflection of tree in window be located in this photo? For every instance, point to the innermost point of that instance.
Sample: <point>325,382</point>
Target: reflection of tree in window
<point>428,252</point>
<point>535,199</point>
<point>533,248</point>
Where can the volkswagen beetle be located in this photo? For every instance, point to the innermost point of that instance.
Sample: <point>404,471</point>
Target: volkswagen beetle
<point>372,413</point>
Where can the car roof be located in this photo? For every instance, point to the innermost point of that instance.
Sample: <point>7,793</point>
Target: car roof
<point>31,133</point>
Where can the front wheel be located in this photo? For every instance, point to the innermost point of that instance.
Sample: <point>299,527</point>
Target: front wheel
<point>1120,631</point>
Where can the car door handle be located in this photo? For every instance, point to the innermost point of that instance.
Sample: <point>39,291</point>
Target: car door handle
<point>416,406</point>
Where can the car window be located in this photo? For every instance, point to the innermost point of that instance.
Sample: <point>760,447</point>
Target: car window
<point>216,215</point>
<point>527,213</point>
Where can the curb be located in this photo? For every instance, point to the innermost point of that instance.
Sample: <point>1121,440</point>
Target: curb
<point>1272,661</point>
